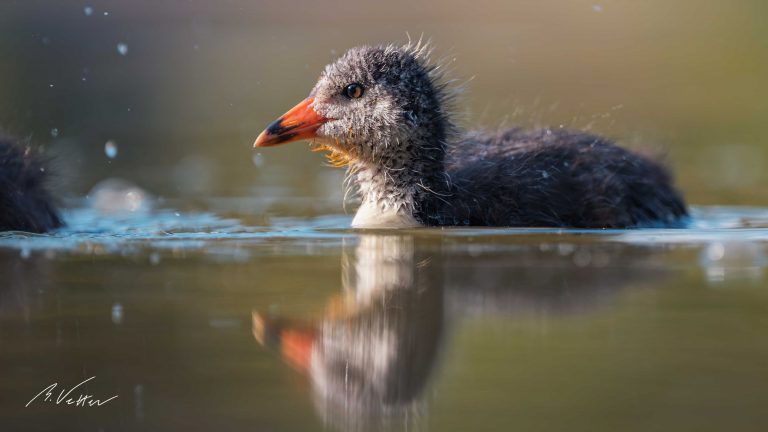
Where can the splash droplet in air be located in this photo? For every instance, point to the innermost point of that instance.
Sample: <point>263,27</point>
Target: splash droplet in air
<point>117,313</point>
<point>88,11</point>
<point>110,149</point>
<point>116,196</point>
<point>122,48</point>
<point>54,132</point>
<point>258,160</point>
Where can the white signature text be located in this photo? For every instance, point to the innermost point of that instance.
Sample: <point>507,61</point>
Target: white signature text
<point>66,397</point>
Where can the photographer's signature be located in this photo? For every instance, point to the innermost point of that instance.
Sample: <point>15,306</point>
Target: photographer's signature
<point>66,397</point>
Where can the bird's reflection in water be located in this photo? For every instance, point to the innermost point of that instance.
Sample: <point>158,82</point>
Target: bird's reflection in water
<point>370,356</point>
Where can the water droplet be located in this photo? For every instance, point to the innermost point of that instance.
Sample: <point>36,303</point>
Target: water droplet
<point>134,200</point>
<point>88,11</point>
<point>54,132</point>
<point>110,149</point>
<point>117,313</point>
<point>25,253</point>
<point>544,174</point>
<point>597,8</point>
<point>115,196</point>
<point>122,48</point>
<point>258,160</point>
<point>106,13</point>
<point>50,85</point>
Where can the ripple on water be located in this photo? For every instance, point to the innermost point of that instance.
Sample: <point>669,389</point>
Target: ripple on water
<point>152,231</point>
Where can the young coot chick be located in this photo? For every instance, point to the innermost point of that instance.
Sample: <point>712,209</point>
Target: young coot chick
<point>25,202</point>
<point>384,112</point>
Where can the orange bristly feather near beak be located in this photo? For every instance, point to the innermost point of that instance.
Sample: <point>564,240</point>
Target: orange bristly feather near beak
<point>336,158</point>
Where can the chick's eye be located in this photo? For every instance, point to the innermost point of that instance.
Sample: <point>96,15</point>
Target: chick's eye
<point>354,91</point>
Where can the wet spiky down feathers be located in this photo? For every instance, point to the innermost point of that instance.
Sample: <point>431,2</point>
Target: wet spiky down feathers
<point>25,202</point>
<point>412,166</point>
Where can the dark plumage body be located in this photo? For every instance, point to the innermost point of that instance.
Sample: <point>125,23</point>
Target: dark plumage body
<point>549,177</point>
<point>25,202</point>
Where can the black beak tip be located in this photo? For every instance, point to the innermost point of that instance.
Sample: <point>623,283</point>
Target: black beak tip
<point>276,128</point>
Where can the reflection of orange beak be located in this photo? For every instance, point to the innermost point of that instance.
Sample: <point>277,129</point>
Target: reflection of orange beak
<point>300,122</point>
<point>296,347</point>
<point>293,340</point>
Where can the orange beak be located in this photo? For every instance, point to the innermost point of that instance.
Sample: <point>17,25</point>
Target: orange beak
<point>300,122</point>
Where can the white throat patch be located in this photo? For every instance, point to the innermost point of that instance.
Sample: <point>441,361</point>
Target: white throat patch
<point>370,215</point>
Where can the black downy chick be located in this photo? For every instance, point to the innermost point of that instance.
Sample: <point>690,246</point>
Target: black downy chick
<point>25,201</point>
<point>384,111</point>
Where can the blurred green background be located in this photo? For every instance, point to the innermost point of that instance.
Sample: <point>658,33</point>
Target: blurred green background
<point>183,87</point>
